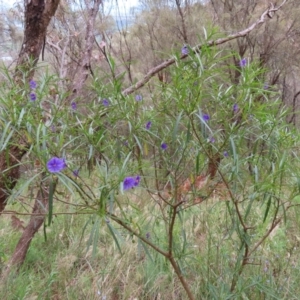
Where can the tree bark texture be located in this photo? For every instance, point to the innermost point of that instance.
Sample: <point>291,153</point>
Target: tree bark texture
<point>38,14</point>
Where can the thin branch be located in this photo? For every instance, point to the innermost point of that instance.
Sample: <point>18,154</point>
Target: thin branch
<point>272,227</point>
<point>144,239</point>
<point>171,228</point>
<point>13,212</point>
<point>181,278</point>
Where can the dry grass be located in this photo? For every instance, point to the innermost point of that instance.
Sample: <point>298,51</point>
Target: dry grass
<point>206,248</point>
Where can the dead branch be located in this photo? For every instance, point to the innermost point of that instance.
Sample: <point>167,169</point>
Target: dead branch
<point>197,49</point>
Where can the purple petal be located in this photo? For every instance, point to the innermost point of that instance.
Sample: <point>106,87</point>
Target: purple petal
<point>206,117</point>
<point>235,108</point>
<point>55,164</point>
<point>164,146</point>
<point>184,50</point>
<point>76,173</point>
<point>105,102</point>
<point>32,96</point>
<point>148,125</point>
<point>73,105</point>
<point>243,62</point>
<point>137,180</point>
<point>138,97</point>
<point>131,182</point>
<point>266,86</point>
<point>32,84</point>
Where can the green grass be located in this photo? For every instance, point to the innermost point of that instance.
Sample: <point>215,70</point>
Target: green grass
<point>65,267</point>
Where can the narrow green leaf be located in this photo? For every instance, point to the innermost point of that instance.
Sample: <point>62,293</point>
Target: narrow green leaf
<point>146,250</point>
<point>205,33</point>
<point>125,161</point>
<point>233,149</point>
<point>188,133</point>
<point>50,200</point>
<point>198,163</point>
<point>138,143</point>
<point>85,227</point>
<point>267,208</point>
<point>112,231</point>
<point>3,135</point>
<point>255,170</point>
<point>175,130</point>
<point>96,237</point>
<point>45,232</point>
<point>22,113</point>
<point>282,161</point>
<point>91,151</point>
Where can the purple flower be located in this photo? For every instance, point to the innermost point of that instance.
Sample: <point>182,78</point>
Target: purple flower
<point>53,128</point>
<point>235,108</point>
<point>266,86</point>
<point>206,117</point>
<point>212,139</point>
<point>131,182</point>
<point>32,96</point>
<point>105,102</point>
<point>56,164</point>
<point>76,173</point>
<point>73,105</point>
<point>185,50</point>
<point>243,62</point>
<point>225,153</point>
<point>138,97</point>
<point>137,180</point>
<point>32,84</point>
<point>65,164</point>
<point>164,146</point>
<point>148,125</point>
<point>148,235</point>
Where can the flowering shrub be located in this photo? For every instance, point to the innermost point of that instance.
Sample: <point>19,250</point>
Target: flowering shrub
<point>232,135</point>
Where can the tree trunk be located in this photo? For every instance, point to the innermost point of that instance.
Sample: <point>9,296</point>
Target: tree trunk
<point>38,14</point>
<point>36,221</point>
<point>85,66</point>
<point>9,175</point>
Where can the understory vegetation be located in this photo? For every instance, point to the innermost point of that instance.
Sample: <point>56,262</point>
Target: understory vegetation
<point>71,265</point>
<point>117,187</point>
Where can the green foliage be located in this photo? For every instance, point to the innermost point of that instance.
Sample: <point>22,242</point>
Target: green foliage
<point>205,123</point>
